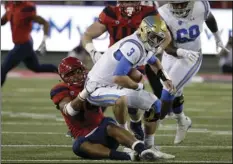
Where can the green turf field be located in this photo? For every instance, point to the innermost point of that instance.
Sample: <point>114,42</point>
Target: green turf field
<point>33,130</point>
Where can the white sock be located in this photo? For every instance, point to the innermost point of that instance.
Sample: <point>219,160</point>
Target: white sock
<point>124,126</point>
<point>136,120</point>
<point>149,140</point>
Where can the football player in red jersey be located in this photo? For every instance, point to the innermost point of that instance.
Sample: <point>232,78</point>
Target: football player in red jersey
<point>96,136</point>
<point>21,14</point>
<point>120,21</point>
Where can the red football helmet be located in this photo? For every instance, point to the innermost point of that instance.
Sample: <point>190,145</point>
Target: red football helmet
<point>129,8</point>
<point>72,71</point>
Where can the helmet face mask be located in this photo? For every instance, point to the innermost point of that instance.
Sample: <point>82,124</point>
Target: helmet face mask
<point>181,9</point>
<point>72,71</point>
<point>129,8</point>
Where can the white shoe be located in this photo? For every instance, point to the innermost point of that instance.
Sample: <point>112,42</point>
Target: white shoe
<point>161,154</point>
<point>182,127</point>
<point>149,155</point>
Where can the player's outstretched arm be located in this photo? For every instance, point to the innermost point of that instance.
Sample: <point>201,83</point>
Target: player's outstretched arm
<point>73,107</point>
<point>158,68</point>
<point>4,19</point>
<point>92,32</point>
<point>40,20</point>
<point>213,26</point>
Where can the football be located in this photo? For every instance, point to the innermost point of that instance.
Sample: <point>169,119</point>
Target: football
<point>135,75</point>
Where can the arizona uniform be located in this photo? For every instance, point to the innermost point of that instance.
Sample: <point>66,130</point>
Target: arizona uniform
<point>103,91</point>
<point>186,34</point>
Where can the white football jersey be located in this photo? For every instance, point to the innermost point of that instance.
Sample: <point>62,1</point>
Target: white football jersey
<point>132,49</point>
<point>186,31</point>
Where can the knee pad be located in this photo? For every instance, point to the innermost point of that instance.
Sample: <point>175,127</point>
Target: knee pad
<point>178,101</point>
<point>154,113</point>
<point>132,111</point>
<point>166,96</point>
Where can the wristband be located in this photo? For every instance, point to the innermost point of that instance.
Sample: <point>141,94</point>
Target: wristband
<point>140,87</point>
<point>68,109</point>
<point>83,95</point>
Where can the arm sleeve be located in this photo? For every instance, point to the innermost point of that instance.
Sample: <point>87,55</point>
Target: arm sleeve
<point>58,93</point>
<point>152,60</point>
<point>124,65</point>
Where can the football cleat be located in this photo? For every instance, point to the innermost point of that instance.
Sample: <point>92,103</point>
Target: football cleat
<point>161,154</point>
<point>133,154</point>
<point>149,155</point>
<point>182,127</point>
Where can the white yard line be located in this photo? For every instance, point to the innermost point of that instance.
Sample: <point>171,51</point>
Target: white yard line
<point>30,115</point>
<point>184,147</point>
<point>109,161</point>
<point>53,115</point>
<point>212,132</point>
<point>163,125</point>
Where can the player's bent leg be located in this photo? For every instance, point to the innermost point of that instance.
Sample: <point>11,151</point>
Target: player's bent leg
<point>183,122</point>
<point>136,123</point>
<point>120,111</point>
<point>134,114</point>
<point>167,101</point>
<point>12,59</point>
<point>90,150</point>
<point>125,138</point>
<point>32,63</point>
<point>151,119</point>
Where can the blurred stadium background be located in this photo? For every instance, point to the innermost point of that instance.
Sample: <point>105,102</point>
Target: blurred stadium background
<point>33,130</point>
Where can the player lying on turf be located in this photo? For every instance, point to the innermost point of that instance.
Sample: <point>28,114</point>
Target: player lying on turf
<point>183,57</point>
<point>96,136</point>
<point>21,14</point>
<point>121,21</point>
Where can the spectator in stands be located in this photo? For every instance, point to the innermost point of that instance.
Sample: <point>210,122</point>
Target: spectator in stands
<point>225,61</point>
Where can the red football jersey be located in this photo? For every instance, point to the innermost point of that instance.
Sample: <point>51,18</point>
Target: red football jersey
<point>84,122</point>
<point>119,27</point>
<point>20,20</point>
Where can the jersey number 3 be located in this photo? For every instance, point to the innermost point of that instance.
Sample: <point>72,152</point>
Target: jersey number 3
<point>132,50</point>
<point>187,35</point>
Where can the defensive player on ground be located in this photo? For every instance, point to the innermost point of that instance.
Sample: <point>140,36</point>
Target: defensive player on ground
<point>121,21</point>
<point>21,14</point>
<point>183,57</point>
<point>108,80</point>
<point>96,136</point>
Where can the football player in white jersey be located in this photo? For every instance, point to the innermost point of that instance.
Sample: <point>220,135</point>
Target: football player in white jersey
<point>183,57</point>
<point>108,80</point>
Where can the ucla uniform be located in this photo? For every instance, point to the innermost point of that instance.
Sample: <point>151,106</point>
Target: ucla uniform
<point>103,91</point>
<point>186,34</point>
